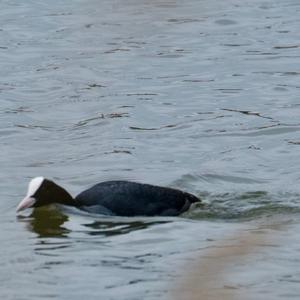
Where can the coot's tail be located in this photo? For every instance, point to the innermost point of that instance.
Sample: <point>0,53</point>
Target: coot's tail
<point>192,198</point>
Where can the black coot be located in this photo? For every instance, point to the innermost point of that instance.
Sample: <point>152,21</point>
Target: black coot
<point>120,198</point>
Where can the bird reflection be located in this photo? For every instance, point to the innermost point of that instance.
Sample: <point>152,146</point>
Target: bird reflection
<point>49,222</point>
<point>46,222</point>
<point>117,228</point>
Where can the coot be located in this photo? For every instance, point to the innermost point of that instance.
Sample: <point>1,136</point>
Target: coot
<point>119,198</point>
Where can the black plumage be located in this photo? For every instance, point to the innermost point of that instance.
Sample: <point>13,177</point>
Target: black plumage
<point>124,198</point>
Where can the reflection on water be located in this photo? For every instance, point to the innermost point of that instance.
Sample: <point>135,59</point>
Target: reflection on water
<point>115,228</point>
<point>46,222</point>
<point>49,221</point>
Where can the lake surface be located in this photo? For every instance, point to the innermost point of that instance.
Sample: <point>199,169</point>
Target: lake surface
<point>197,95</point>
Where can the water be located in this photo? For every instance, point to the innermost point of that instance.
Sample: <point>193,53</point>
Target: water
<point>199,95</point>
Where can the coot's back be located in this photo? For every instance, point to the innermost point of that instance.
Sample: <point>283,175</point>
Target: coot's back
<point>125,198</point>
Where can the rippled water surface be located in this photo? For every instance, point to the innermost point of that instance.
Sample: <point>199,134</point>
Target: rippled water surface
<point>198,95</point>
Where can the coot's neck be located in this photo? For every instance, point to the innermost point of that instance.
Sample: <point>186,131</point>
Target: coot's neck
<point>61,196</point>
<point>66,199</point>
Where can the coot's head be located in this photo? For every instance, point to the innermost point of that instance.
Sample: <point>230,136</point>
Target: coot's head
<point>42,191</point>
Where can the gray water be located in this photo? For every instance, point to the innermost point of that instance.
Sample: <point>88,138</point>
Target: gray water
<point>198,95</point>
